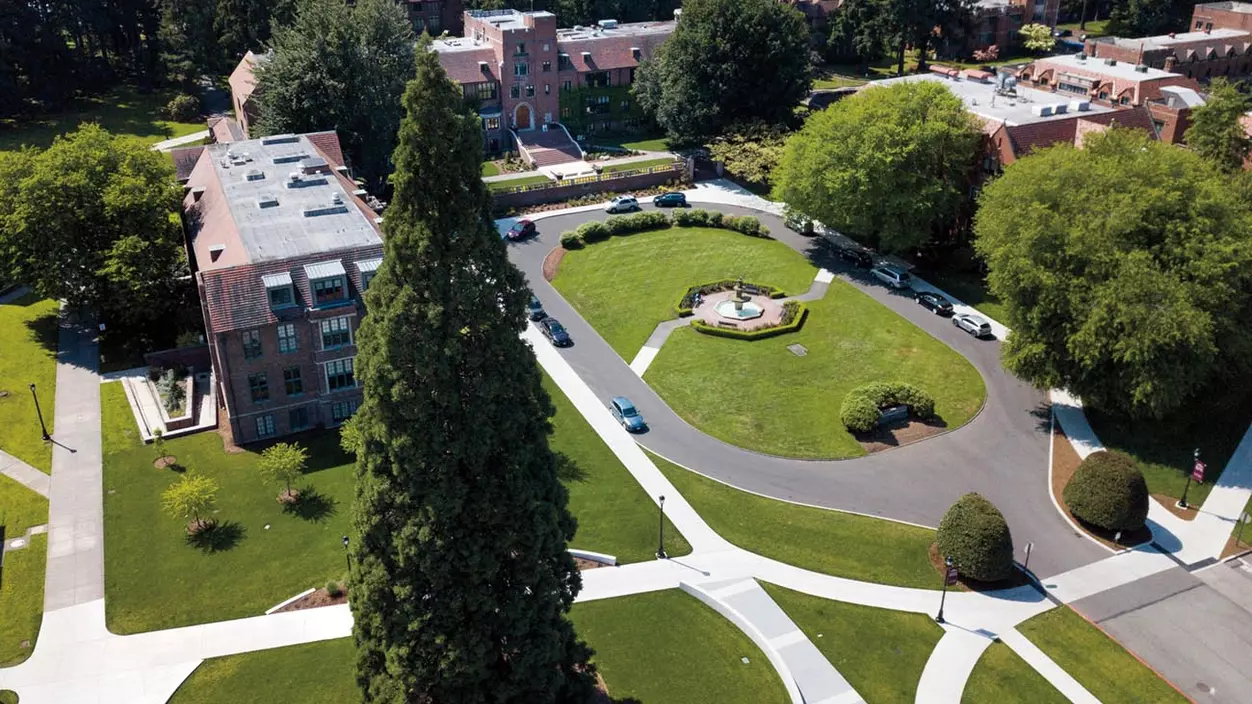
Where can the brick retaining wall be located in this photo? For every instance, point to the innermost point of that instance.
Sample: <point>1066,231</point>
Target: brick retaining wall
<point>606,183</point>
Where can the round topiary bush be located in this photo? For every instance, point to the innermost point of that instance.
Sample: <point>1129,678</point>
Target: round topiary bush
<point>975,535</point>
<point>860,407</point>
<point>8,696</point>
<point>1108,491</point>
<point>183,108</point>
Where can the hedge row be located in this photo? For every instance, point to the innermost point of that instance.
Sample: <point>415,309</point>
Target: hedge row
<point>598,231</point>
<point>1108,491</point>
<point>862,404</point>
<point>686,303</point>
<point>975,535</point>
<point>794,314</point>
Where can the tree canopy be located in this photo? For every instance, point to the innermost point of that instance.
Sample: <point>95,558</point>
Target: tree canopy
<point>1126,271</point>
<point>1037,37</point>
<point>341,67</point>
<point>91,220</point>
<point>191,498</point>
<point>460,578</point>
<point>711,72</point>
<point>283,463</point>
<point>1139,18</point>
<point>888,165</point>
<point>1217,132</point>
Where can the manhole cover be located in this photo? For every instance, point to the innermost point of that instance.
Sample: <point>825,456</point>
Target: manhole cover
<point>1205,688</point>
<point>798,350</point>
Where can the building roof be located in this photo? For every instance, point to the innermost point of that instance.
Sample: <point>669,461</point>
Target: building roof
<point>1120,70</point>
<point>980,99</point>
<point>595,49</point>
<point>1182,96</point>
<point>243,79</point>
<point>467,62</point>
<point>1218,38</point>
<point>225,129</point>
<point>508,19</point>
<point>1241,7</point>
<point>185,159</point>
<point>1070,129</point>
<point>368,265</point>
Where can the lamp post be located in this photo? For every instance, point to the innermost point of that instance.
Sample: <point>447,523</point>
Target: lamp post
<point>346,556</point>
<point>660,532</point>
<point>1196,468</point>
<point>947,577</point>
<point>39,412</point>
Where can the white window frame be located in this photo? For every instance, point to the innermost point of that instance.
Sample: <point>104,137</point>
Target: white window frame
<point>343,366</point>
<point>265,426</point>
<point>337,325</point>
<point>290,342</point>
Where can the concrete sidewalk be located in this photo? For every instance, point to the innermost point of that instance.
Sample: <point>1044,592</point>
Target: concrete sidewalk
<point>24,474</point>
<point>169,144</point>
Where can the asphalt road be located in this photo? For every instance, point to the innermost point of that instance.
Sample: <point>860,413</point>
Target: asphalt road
<point>1002,453</point>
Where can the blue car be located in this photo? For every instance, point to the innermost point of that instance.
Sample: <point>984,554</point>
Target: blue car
<point>626,414</point>
<point>670,200</point>
<point>555,332</point>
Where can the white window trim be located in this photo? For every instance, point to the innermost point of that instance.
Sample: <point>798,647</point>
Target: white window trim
<point>326,375</point>
<point>348,322</point>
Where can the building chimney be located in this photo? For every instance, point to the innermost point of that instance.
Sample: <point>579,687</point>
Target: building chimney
<point>1170,62</point>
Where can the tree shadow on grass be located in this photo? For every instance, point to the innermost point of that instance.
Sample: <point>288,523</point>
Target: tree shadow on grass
<point>567,470</point>
<point>45,330</point>
<point>221,537</point>
<point>312,506</point>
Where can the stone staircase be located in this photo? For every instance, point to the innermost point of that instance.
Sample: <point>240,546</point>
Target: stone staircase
<point>548,148</point>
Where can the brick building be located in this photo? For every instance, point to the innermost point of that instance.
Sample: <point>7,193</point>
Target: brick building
<point>1217,44</point>
<point>528,78</point>
<point>998,21</point>
<point>1110,81</point>
<point>243,90</point>
<point>435,16</point>
<point>281,247</point>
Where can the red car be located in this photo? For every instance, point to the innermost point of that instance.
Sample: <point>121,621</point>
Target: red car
<point>521,230</point>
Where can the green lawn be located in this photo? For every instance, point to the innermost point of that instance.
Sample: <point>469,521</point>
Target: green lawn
<point>124,111</point>
<point>1001,677</point>
<point>20,508</point>
<point>21,599</point>
<point>1095,28</point>
<point>614,515</point>
<point>633,165</point>
<point>618,287</point>
<point>831,542</point>
<point>638,143</point>
<point>828,78</point>
<point>760,396</point>
<point>1098,662</point>
<point>880,652</point>
<point>658,648</point>
<point>490,169</point>
<point>519,181</point>
<point>971,289</point>
<point>28,327</point>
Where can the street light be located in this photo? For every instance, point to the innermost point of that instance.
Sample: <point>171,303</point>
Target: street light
<point>660,533</point>
<point>39,412</point>
<point>947,563</point>
<point>346,556</point>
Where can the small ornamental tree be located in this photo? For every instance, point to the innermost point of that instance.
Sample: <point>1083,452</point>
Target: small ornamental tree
<point>1108,491</point>
<point>1037,37</point>
<point>284,463</point>
<point>191,498</point>
<point>158,443</point>
<point>975,535</point>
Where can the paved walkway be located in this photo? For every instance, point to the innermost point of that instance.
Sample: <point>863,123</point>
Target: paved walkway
<point>24,474</point>
<point>1047,667</point>
<point>169,144</point>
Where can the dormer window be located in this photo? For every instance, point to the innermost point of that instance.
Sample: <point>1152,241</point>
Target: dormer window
<point>327,281</point>
<point>368,269</point>
<point>278,288</point>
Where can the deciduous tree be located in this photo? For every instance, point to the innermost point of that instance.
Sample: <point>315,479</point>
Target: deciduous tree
<point>889,165</point>
<point>460,577</point>
<point>711,72</point>
<point>192,499</point>
<point>1126,271</point>
<point>751,152</point>
<point>1037,37</point>
<point>284,463</point>
<point>1217,132</point>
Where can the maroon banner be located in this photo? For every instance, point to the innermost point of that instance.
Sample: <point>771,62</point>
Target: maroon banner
<point>1197,473</point>
<point>951,577</point>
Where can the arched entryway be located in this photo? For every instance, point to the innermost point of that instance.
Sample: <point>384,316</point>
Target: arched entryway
<point>523,117</point>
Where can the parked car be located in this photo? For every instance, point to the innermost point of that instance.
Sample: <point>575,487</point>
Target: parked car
<point>893,276</point>
<point>856,257</point>
<point>622,204</point>
<point>626,414</point>
<point>521,230</point>
<point>535,309</point>
<point>798,223</point>
<point>670,200</point>
<point>934,303</point>
<point>972,324</point>
<point>555,332</point>
<point>1058,33</point>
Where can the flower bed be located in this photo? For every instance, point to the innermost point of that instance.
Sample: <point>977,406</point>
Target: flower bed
<point>794,314</point>
<point>686,302</point>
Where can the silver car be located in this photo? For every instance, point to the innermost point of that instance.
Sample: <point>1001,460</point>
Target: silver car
<point>622,204</point>
<point>972,324</point>
<point>892,276</point>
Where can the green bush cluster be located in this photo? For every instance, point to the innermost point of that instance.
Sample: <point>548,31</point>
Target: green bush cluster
<point>638,222</point>
<point>862,404</point>
<point>975,535</point>
<point>183,108</point>
<point>686,302</point>
<point>746,225</point>
<point>1108,491</point>
<point>794,314</point>
<point>171,389</point>
<point>571,240</point>
<point>598,231</point>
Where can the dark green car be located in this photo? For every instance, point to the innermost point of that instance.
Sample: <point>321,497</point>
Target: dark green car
<point>670,200</point>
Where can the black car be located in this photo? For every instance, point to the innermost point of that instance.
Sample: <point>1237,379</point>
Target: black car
<point>855,257</point>
<point>555,332</point>
<point>670,200</point>
<point>934,303</point>
<point>534,309</point>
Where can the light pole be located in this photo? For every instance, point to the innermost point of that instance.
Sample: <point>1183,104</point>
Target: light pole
<point>346,556</point>
<point>39,412</point>
<point>1182,503</point>
<point>947,564</point>
<point>660,532</point>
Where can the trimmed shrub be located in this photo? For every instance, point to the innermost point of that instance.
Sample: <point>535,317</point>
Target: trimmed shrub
<point>334,589</point>
<point>571,240</point>
<point>1108,491</point>
<point>860,407</point>
<point>171,389</point>
<point>698,218</point>
<point>638,222</point>
<point>8,696</point>
<point>593,231</point>
<point>745,225</point>
<point>794,315</point>
<point>975,535</point>
<point>183,108</point>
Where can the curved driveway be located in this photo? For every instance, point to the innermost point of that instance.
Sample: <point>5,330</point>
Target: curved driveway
<point>1003,453</point>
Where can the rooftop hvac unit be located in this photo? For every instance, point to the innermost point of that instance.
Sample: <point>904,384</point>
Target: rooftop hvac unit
<point>1041,110</point>
<point>1141,68</point>
<point>267,202</point>
<point>1059,108</point>
<point>607,24</point>
<point>255,175</point>
<point>279,139</point>
<point>1080,105</point>
<point>1110,62</point>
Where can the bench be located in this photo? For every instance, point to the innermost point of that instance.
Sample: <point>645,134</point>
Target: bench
<point>727,324</point>
<point>749,288</point>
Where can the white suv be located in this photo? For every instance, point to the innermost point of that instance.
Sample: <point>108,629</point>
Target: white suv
<point>892,276</point>
<point>622,204</point>
<point>972,324</point>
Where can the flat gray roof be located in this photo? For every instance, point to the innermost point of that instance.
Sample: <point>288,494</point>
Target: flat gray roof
<point>507,19</point>
<point>279,215</point>
<point>981,99</point>
<point>1216,37</point>
<point>1242,7</point>
<point>1121,69</point>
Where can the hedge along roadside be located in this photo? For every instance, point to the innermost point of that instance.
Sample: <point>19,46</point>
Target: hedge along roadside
<point>598,231</point>
<point>794,314</point>
<point>685,305</point>
<point>862,404</point>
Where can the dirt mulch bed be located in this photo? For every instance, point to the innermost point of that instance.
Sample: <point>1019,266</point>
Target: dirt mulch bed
<point>1234,547</point>
<point>588,564</point>
<point>552,262</point>
<point>317,599</point>
<point>163,462</point>
<point>885,438</point>
<point>1065,462</point>
<point>223,430</point>
<point>965,584</point>
<point>1171,504</point>
<point>601,695</point>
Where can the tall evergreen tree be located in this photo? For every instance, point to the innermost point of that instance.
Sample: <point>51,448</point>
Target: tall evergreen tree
<point>460,577</point>
<point>1217,132</point>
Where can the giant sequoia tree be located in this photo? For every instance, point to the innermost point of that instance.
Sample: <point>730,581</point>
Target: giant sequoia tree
<point>1126,271</point>
<point>460,578</point>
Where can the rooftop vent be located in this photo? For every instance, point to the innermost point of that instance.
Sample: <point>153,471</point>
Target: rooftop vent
<point>1141,68</point>
<point>1080,105</point>
<point>297,180</point>
<point>255,175</point>
<point>332,208</point>
<point>313,165</point>
<point>267,202</point>
<point>607,24</point>
<point>1059,108</point>
<point>290,158</point>
<point>215,252</point>
<point>279,139</point>
<point>1041,110</point>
